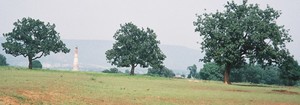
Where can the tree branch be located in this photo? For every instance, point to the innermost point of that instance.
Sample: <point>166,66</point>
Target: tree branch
<point>38,57</point>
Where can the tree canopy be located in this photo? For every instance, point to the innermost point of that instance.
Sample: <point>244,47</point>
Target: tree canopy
<point>135,46</point>
<point>33,39</point>
<point>242,33</point>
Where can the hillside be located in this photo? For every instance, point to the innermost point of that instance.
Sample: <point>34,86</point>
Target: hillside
<point>92,57</point>
<point>23,86</point>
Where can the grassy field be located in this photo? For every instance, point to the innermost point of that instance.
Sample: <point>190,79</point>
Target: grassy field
<point>23,86</point>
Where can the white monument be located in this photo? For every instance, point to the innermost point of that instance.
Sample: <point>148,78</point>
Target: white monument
<point>75,64</point>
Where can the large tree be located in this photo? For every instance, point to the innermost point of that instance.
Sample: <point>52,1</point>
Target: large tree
<point>33,39</point>
<point>135,46</point>
<point>242,33</point>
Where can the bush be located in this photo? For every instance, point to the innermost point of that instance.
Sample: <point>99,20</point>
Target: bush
<point>211,71</point>
<point>162,72</point>
<point>256,74</point>
<point>127,71</point>
<point>290,71</point>
<point>247,73</point>
<point>111,70</point>
<point>37,64</point>
<point>3,60</point>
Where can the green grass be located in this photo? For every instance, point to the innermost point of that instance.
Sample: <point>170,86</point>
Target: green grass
<point>23,86</point>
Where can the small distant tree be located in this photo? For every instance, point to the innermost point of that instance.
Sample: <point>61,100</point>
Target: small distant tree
<point>33,39</point>
<point>135,46</point>
<point>37,64</point>
<point>193,71</point>
<point>3,60</point>
<point>162,72</point>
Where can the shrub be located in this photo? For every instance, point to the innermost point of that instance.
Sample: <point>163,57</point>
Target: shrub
<point>162,72</point>
<point>37,64</point>
<point>3,60</point>
<point>111,70</point>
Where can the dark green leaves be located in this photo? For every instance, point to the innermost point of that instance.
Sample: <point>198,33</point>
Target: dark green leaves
<point>135,46</point>
<point>34,39</point>
<point>242,32</point>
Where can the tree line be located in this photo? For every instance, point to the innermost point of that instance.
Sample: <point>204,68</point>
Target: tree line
<point>252,74</point>
<point>241,35</point>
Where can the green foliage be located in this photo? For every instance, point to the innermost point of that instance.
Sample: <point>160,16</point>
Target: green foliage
<point>135,46</point>
<point>193,71</point>
<point>256,74</point>
<point>37,64</point>
<point>247,73</point>
<point>111,70</point>
<point>242,32</point>
<point>211,71</point>
<point>162,72</point>
<point>3,60</point>
<point>33,39</point>
<point>290,71</point>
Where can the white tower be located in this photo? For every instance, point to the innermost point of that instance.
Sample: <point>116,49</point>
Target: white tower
<point>75,64</point>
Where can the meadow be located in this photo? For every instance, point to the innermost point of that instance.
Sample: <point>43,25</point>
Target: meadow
<point>24,86</point>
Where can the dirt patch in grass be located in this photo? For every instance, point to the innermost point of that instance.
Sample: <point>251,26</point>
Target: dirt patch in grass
<point>262,102</point>
<point>36,95</point>
<point>6,100</point>
<point>103,101</point>
<point>171,100</point>
<point>238,90</point>
<point>285,92</point>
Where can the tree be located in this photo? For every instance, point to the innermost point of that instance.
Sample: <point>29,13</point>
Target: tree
<point>37,64</point>
<point>193,71</point>
<point>135,46</point>
<point>161,71</point>
<point>242,32</point>
<point>289,71</point>
<point>3,60</point>
<point>33,39</point>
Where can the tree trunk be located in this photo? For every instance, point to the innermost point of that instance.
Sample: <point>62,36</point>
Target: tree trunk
<point>132,69</point>
<point>227,74</point>
<point>30,62</point>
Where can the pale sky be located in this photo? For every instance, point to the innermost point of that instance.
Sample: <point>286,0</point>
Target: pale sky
<point>172,20</point>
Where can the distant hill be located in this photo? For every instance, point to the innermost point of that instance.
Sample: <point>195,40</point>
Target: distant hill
<point>92,57</point>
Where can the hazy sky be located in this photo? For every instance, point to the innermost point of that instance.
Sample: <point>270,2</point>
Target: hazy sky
<point>172,20</point>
